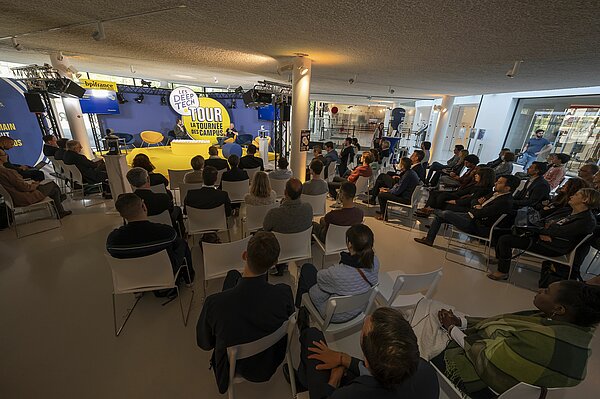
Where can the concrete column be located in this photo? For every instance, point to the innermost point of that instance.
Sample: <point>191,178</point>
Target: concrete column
<point>77,125</point>
<point>437,139</point>
<point>301,72</point>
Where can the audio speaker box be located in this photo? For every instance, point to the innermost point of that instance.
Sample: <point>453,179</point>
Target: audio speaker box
<point>34,102</point>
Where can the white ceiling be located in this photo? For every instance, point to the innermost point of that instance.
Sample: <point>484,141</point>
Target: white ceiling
<point>421,49</point>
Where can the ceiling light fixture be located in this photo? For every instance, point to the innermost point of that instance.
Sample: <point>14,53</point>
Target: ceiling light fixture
<point>163,100</point>
<point>16,45</point>
<point>215,79</point>
<point>121,99</point>
<point>511,73</point>
<point>99,33</point>
<point>139,99</point>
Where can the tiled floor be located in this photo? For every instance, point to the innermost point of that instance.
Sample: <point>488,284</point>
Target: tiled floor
<point>56,330</point>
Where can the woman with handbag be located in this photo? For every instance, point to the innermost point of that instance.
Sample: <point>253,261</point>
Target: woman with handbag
<point>558,236</point>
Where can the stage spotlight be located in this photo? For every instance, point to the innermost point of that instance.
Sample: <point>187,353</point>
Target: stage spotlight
<point>146,83</point>
<point>139,99</point>
<point>16,45</point>
<point>99,34</point>
<point>121,99</point>
<point>239,90</point>
<point>233,104</point>
<point>163,100</point>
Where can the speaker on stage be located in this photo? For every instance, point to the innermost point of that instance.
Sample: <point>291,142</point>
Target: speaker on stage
<point>34,102</point>
<point>285,113</point>
<point>73,89</point>
<point>255,98</point>
<point>65,86</point>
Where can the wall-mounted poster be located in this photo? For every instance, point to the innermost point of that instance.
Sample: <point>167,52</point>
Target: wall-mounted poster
<point>304,139</point>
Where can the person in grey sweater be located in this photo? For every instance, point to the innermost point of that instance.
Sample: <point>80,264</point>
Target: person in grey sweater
<point>505,168</point>
<point>316,185</point>
<point>356,273</point>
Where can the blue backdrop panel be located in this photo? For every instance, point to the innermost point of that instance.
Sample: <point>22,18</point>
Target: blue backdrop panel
<point>92,103</point>
<point>17,122</point>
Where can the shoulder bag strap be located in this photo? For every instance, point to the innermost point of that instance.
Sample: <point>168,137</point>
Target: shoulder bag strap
<point>362,274</point>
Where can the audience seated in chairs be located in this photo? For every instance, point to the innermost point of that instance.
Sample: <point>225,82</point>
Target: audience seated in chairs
<point>536,190</point>
<point>498,161</point>
<point>456,167</point>
<point>143,161</point>
<point>356,273</point>
<point>392,367</point>
<point>247,309</point>
<point>292,216</point>
<point>62,148</point>
<point>281,172</point>
<point>385,149</point>
<point>556,169</point>
<point>455,180</point>
<point>346,156</point>
<point>452,162</point>
<point>402,191</point>
<point>316,185</point>
<point>482,215</point>
<point>362,170</point>
<point>50,145</point>
<point>195,176</point>
<point>560,203</point>
<point>92,172</point>
<point>215,160</point>
<point>596,181</point>
<point>251,161</point>
<point>24,194</point>
<point>208,196</point>
<point>28,172</point>
<point>460,200</point>
<point>318,155</point>
<point>389,179</point>
<point>347,215</point>
<point>559,236</point>
<point>331,154</point>
<point>140,237</point>
<point>587,172</point>
<point>156,203</point>
<point>260,191</point>
<point>505,167</point>
<point>234,173</point>
<point>547,347</point>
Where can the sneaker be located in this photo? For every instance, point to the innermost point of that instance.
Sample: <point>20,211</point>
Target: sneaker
<point>424,241</point>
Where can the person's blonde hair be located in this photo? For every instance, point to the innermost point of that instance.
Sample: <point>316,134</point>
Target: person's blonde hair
<point>71,144</point>
<point>261,186</point>
<point>591,197</point>
<point>367,157</point>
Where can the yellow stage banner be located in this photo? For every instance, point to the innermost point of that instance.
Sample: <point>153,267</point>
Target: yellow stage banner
<point>98,84</point>
<point>207,121</point>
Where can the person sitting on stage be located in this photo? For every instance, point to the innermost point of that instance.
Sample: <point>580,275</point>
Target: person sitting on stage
<point>143,161</point>
<point>24,194</point>
<point>506,166</point>
<point>482,215</point>
<point>251,161</point>
<point>247,309</point>
<point>208,196</point>
<point>316,185</point>
<point>28,172</point>
<point>234,173</point>
<point>362,170</point>
<point>195,176</point>
<point>140,237</point>
<point>50,145</point>
<point>402,191</point>
<point>556,169</point>
<point>260,191</point>
<point>392,367</point>
<point>347,215</point>
<point>546,347</point>
<point>62,148</point>
<point>92,171</point>
<point>156,203</point>
<point>215,160</point>
<point>536,190</point>
<point>455,180</point>
<point>180,131</point>
<point>281,172</point>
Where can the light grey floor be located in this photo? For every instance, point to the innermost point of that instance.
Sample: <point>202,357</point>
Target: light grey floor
<point>56,331</point>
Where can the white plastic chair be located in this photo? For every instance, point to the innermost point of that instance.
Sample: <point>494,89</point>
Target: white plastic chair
<point>331,171</point>
<point>185,187</point>
<point>317,202</point>
<point>220,176</point>
<point>517,168</point>
<point>341,304</point>
<point>202,221</point>
<point>335,241</point>
<point>176,177</point>
<point>243,351</point>
<point>218,259</point>
<point>12,211</point>
<point>278,185</point>
<point>251,173</point>
<point>164,217</point>
<point>362,186</point>
<point>405,291</point>
<point>159,189</point>
<point>294,246</point>
<point>142,274</point>
<point>408,208</point>
<point>237,190</point>
<point>255,215</point>
<point>487,241</point>
<point>76,177</point>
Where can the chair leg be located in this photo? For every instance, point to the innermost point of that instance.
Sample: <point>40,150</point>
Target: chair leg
<point>129,312</point>
<point>292,374</point>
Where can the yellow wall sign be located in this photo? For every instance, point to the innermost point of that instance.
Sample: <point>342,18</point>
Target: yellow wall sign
<point>208,121</point>
<point>98,84</point>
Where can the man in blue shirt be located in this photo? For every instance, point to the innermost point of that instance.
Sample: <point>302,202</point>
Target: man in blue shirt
<point>534,146</point>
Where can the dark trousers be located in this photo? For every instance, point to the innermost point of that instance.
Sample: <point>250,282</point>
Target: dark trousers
<point>335,185</point>
<point>437,199</point>
<point>308,278</point>
<point>177,220</point>
<point>434,167</point>
<point>384,180</point>
<point>507,242</point>
<point>462,221</point>
<point>32,174</point>
<point>181,251</point>
<point>51,190</point>
<point>387,196</point>
<point>320,231</point>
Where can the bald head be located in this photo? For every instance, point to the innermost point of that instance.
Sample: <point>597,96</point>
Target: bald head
<point>293,188</point>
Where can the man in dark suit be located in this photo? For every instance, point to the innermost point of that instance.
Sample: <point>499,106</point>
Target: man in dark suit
<point>417,164</point>
<point>392,368</point>
<point>92,172</point>
<point>247,309</point>
<point>234,173</point>
<point>27,172</point>
<point>208,197</point>
<point>215,160</point>
<point>482,215</point>
<point>140,237</point>
<point>389,179</point>
<point>62,148</point>
<point>50,145</point>
<point>250,161</point>
<point>536,190</point>
<point>156,203</point>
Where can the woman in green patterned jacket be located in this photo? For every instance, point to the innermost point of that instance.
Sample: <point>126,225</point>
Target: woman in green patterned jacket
<point>548,347</point>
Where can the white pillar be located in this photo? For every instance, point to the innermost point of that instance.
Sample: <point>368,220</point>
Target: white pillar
<point>437,139</point>
<point>77,125</point>
<point>300,112</point>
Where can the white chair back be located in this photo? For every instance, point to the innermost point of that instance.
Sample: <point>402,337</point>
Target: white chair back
<point>317,202</point>
<point>410,284</point>
<point>517,168</point>
<point>220,258</point>
<point>335,240</point>
<point>163,217</point>
<point>74,173</point>
<point>294,246</point>
<point>362,185</point>
<point>220,176</point>
<point>206,220</point>
<point>237,190</point>
<point>176,177</point>
<point>185,187</point>
<point>159,189</point>
<point>331,171</point>
<point>255,215</point>
<point>349,303</point>
<point>251,173</point>
<point>61,165</point>
<point>145,273</point>
<point>278,185</point>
